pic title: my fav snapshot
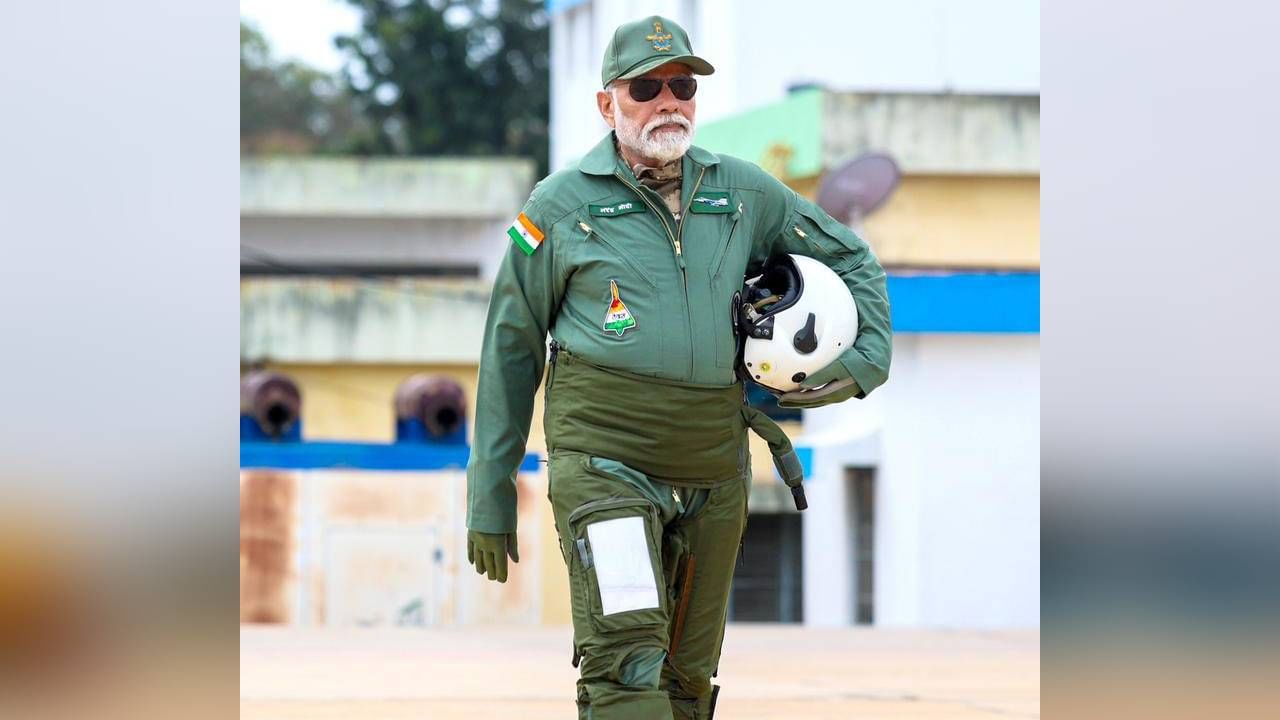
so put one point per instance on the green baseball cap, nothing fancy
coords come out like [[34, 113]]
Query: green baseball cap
[[642, 45]]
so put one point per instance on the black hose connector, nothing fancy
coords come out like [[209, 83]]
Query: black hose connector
[[797, 494]]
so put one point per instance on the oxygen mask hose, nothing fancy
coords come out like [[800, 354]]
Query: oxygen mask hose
[[759, 304], [784, 455]]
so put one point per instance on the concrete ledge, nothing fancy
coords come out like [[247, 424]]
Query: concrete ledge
[[935, 134], [342, 320], [384, 187], [814, 131]]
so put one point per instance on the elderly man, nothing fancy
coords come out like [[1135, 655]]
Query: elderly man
[[631, 260]]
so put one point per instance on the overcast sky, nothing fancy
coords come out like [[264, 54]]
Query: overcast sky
[[303, 29]]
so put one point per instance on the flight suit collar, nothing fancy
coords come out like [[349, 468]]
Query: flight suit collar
[[603, 159]]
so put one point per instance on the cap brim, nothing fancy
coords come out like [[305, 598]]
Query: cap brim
[[695, 63]]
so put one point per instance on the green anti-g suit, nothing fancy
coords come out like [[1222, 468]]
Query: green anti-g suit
[[638, 307]]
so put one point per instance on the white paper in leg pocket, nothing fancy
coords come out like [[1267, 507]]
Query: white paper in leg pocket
[[620, 552]]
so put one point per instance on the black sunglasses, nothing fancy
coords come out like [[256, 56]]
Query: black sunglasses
[[646, 89]]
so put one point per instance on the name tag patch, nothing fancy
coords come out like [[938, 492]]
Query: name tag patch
[[711, 202], [621, 208]]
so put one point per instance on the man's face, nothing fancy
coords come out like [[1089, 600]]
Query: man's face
[[660, 129]]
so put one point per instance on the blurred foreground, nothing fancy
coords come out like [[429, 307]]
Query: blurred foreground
[[767, 671]]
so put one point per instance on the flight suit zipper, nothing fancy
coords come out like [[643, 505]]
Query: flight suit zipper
[[675, 244]]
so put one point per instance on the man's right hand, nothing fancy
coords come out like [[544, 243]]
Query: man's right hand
[[488, 552]]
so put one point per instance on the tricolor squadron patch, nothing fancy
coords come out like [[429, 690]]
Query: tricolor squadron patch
[[525, 234], [617, 318]]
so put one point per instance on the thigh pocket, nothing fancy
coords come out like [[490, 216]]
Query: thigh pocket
[[615, 551]]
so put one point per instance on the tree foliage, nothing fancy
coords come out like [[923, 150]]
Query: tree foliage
[[288, 107], [450, 77]]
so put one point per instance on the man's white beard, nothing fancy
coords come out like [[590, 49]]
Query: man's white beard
[[663, 146]]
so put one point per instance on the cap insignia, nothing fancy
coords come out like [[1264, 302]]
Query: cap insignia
[[661, 42]]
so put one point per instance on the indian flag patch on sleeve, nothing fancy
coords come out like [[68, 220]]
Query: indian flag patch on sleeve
[[525, 234]]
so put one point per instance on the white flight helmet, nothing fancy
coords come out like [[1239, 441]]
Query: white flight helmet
[[793, 320]]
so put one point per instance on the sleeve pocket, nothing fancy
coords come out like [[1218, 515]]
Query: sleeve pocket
[[825, 239]]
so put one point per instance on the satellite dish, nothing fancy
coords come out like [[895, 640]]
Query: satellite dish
[[854, 190]]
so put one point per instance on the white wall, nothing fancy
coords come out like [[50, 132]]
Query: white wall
[[840, 437], [760, 48], [955, 437], [971, 415]]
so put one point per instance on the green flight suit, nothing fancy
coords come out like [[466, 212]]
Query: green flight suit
[[641, 305]]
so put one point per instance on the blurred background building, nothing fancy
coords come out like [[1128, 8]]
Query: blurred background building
[[367, 254]]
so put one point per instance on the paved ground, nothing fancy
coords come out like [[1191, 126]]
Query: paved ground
[[768, 671]]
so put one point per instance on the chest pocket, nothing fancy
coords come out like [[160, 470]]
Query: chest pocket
[[732, 247], [612, 305], [601, 254]]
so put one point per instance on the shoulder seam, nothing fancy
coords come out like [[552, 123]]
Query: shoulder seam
[[576, 205]]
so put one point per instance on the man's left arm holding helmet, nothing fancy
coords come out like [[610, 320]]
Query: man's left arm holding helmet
[[808, 230]]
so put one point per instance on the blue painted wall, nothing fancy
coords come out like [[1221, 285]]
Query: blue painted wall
[[361, 456], [965, 302]]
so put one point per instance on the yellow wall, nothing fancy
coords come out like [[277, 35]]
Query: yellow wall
[[353, 401], [955, 221], [960, 221]]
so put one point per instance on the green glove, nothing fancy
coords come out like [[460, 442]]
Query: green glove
[[831, 384], [488, 552]]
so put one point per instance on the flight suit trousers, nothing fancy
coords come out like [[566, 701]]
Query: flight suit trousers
[[650, 571]]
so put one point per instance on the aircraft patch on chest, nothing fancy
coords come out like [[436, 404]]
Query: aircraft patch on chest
[[617, 318], [711, 202]]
